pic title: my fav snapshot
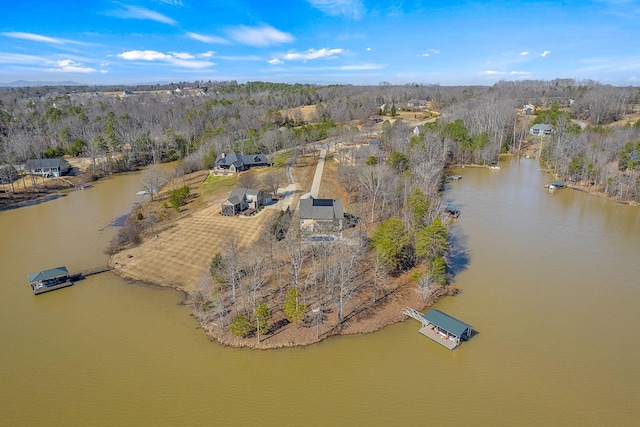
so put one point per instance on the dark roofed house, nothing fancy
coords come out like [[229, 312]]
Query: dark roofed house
[[47, 167], [242, 199], [321, 215], [236, 162]]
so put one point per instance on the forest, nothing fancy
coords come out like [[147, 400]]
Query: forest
[[123, 128]]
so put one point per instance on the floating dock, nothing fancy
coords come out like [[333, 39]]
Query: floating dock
[[59, 277], [440, 327]]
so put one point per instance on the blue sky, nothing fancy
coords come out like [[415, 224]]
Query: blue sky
[[443, 42]]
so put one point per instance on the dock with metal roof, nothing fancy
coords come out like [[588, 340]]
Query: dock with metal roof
[[59, 277], [441, 327]]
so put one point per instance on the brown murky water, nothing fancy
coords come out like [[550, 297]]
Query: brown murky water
[[551, 281]]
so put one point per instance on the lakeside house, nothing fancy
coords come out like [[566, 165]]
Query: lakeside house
[[541, 130], [244, 200], [47, 167], [236, 163], [321, 215]]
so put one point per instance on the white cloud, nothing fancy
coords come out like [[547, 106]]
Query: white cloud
[[146, 55], [172, 2], [350, 8], [368, 49], [545, 53], [69, 66], [182, 55], [312, 54], [524, 53], [262, 36], [33, 37], [180, 59], [207, 54], [506, 73], [17, 58], [207, 39], [134, 12], [425, 54], [39, 38], [276, 61], [434, 51]]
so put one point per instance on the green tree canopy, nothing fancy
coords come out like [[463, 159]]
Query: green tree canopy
[[391, 240], [432, 241], [293, 309], [240, 326], [398, 161], [438, 270], [263, 314], [419, 206]]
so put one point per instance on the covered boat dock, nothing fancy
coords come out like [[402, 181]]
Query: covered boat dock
[[49, 280], [441, 327]]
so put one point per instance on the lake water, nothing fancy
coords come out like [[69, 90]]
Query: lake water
[[551, 281]]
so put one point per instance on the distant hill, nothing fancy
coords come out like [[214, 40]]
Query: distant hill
[[24, 83]]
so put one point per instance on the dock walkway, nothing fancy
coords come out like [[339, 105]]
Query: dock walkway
[[90, 272]]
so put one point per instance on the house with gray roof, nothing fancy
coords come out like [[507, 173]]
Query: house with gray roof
[[321, 215], [541, 130], [244, 199], [237, 163], [47, 167]]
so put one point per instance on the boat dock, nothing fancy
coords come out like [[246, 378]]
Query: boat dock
[[59, 277], [440, 327]]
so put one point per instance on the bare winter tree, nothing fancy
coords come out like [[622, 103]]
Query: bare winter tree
[[153, 179], [274, 179], [248, 179]]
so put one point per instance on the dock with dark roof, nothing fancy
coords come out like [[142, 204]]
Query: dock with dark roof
[[59, 277], [441, 327]]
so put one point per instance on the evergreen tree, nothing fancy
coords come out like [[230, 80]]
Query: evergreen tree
[[240, 326], [391, 240], [293, 309], [263, 314]]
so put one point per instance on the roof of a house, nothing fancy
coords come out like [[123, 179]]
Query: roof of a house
[[542, 126], [239, 193], [46, 163], [48, 274], [446, 322], [321, 208], [239, 160]]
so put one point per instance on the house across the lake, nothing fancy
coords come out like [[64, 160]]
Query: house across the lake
[[244, 200], [47, 167], [321, 215], [237, 163], [541, 130]]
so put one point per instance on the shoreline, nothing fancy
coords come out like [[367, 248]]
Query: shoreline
[[304, 336]]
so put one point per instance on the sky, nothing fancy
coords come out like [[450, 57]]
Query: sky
[[359, 42]]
